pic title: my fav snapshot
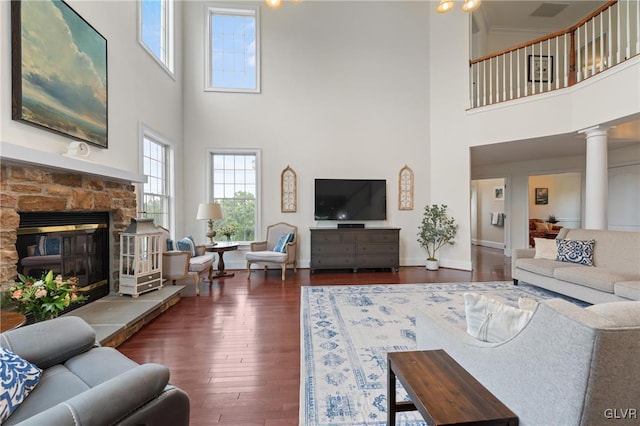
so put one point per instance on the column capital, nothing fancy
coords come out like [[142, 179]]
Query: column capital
[[594, 131]]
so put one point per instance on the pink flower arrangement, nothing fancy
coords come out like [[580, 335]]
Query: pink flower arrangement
[[44, 298]]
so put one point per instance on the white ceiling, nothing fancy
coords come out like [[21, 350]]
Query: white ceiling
[[516, 15]]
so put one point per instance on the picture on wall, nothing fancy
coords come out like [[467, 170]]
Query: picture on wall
[[59, 71], [498, 193], [540, 68], [542, 195]]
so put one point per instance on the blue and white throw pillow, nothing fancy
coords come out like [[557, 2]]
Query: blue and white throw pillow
[[187, 244], [281, 245], [18, 377], [576, 251]]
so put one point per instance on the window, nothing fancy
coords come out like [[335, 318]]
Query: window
[[156, 30], [156, 191], [234, 185], [233, 50]]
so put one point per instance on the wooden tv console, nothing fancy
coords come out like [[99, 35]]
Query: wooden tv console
[[354, 248]]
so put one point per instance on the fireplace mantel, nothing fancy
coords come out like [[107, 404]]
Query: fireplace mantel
[[31, 157]]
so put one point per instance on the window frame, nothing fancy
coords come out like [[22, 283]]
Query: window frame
[[169, 153], [168, 17], [239, 151], [244, 10]]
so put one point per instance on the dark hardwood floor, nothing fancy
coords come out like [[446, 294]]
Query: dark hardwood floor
[[236, 350]]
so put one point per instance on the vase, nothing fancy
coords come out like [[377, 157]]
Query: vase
[[432, 264]]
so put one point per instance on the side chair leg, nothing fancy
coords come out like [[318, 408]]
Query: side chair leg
[[284, 268], [248, 271]]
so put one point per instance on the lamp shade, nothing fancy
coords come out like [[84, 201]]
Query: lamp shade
[[209, 211]]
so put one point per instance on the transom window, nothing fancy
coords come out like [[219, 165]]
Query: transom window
[[156, 191], [234, 185], [233, 50], [156, 30]]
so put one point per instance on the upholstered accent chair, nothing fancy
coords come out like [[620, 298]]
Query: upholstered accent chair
[[538, 228], [175, 266], [280, 248], [201, 262]]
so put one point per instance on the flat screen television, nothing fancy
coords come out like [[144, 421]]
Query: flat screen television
[[350, 199]]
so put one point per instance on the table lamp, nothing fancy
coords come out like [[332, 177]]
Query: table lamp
[[209, 212]]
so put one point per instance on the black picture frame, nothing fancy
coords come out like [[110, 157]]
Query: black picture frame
[[59, 72], [540, 69]]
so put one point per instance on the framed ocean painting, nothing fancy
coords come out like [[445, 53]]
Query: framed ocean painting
[[59, 71]]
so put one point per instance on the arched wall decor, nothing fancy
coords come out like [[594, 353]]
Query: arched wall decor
[[288, 190], [405, 188]]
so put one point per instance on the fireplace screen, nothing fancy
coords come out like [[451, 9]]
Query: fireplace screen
[[50, 241]]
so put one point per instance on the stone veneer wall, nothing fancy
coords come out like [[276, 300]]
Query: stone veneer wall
[[33, 189]]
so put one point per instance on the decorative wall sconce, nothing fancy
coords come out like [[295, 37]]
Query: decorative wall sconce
[[288, 190], [405, 189]]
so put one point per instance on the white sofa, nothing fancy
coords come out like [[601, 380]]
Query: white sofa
[[568, 366], [615, 275]]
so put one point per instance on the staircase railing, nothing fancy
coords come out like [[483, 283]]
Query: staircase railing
[[605, 38]]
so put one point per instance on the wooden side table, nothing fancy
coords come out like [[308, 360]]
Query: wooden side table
[[442, 391], [220, 248], [11, 320]]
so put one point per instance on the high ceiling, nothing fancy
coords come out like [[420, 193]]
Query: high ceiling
[[541, 16], [523, 15]]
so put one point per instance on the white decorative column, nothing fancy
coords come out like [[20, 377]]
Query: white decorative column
[[597, 179]]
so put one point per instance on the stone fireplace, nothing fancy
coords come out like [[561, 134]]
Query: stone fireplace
[[34, 189]]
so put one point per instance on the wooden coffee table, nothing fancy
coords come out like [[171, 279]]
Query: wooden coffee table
[[442, 391]]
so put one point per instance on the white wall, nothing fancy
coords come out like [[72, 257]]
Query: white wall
[[344, 95], [138, 90]]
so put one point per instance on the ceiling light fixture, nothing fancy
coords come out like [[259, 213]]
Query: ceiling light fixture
[[447, 5], [273, 4]]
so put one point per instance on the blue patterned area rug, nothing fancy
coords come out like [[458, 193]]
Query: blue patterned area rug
[[348, 330]]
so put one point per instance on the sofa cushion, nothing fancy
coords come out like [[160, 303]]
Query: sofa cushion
[[545, 249], [266, 256], [576, 251], [623, 314], [628, 289], [617, 250], [201, 263], [491, 321], [111, 361], [593, 277], [18, 378], [541, 266], [57, 384]]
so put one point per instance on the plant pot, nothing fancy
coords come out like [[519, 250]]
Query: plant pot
[[432, 265]]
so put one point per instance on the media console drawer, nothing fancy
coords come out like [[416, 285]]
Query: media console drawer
[[354, 248]]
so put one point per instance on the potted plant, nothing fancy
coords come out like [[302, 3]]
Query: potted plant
[[436, 230], [551, 220]]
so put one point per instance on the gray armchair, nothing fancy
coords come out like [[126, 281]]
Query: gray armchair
[[83, 384], [263, 253]]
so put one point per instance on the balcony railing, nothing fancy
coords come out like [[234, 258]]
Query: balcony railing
[[607, 37]]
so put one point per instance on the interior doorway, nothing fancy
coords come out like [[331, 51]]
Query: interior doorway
[[558, 196], [488, 218]]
